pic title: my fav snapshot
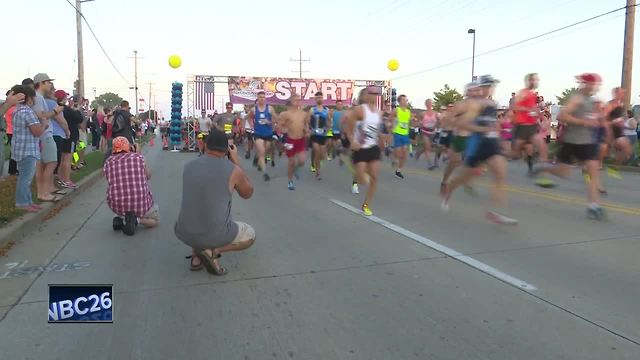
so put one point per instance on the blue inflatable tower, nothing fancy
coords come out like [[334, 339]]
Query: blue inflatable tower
[[176, 115]]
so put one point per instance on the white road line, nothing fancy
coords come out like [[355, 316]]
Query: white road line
[[490, 270]]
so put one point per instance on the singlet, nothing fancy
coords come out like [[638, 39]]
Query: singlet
[[527, 117], [487, 117], [582, 135], [615, 114], [404, 121], [263, 125], [319, 121], [337, 115], [205, 220], [366, 131], [628, 131], [506, 132], [429, 122]]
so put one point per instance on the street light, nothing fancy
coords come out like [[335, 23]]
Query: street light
[[473, 57]]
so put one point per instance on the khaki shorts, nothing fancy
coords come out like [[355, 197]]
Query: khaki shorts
[[48, 150], [153, 213], [246, 235]]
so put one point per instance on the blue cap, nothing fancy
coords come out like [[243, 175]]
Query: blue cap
[[486, 80]]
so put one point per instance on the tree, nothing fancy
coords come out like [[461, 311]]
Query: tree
[[109, 100], [445, 96], [563, 99]]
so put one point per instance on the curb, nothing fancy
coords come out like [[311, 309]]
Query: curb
[[23, 225]]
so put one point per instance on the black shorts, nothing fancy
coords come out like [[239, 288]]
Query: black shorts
[[63, 145], [413, 133], [345, 142], [480, 149], [570, 153], [320, 140], [525, 132], [445, 138], [249, 135], [366, 155]]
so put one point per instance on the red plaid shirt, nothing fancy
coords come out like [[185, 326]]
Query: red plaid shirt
[[128, 189]]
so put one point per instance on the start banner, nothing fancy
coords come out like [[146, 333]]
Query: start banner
[[245, 89]]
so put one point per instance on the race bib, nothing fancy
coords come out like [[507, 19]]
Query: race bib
[[319, 131], [288, 146], [404, 126], [228, 129], [492, 134]]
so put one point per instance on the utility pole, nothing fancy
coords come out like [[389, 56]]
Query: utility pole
[[627, 55], [150, 85], [80, 87], [135, 84], [300, 60]]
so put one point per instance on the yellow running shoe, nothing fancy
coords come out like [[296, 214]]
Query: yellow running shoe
[[614, 173], [587, 178], [366, 210]]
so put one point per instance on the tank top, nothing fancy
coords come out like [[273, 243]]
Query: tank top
[[615, 114], [337, 115], [488, 118], [628, 131], [263, 125], [530, 100], [507, 129], [582, 135], [366, 131], [319, 121], [429, 122], [205, 216], [404, 121]]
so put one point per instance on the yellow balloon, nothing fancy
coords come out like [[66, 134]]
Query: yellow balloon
[[175, 61], [393, 64]]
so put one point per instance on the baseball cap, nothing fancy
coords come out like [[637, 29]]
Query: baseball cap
[[27, 82], [589, 78], [121, 144], [60, 94], [41, 77], [217, 141], [486, 80]]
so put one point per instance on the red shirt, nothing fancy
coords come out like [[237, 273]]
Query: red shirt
[[530, 100], [128, 189], [9, 117]]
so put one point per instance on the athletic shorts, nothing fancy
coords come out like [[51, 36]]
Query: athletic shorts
[[320, 140], [264, 138], [570, 153], [249, 134], [525, 132], [480, 149], [63, 145], [345, 142], [413, 133], [48, 150], [459, 143], [294, 146], [366, 155], [445, 138], [153, 213], [400, 141]]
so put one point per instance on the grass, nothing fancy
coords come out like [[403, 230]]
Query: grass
[[94, 161]]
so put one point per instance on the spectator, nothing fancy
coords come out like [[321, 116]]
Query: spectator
[[128, 192], [48, 151], [122, 122], [13, 166], [94, 127], [82, 141], [205, 222], [61, 135], [27, 129], [106, 131], [74, 119]]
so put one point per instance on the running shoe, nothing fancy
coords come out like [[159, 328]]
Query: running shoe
[[444, 205], [366, 210], [266, 177], [69, 185], [290, 186], [614, 173], [313, 168], [596, 213], [355, 189], [545, 183], [268, 158], [329, 158], [399, 175], [500, 219]]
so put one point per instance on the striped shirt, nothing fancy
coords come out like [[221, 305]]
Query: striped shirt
[[23, 143], [128, 189]]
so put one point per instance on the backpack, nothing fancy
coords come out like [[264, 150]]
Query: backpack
[[119, 124]]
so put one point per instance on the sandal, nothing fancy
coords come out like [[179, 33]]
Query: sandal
[[52, 199], [210, 264], [193, 267]]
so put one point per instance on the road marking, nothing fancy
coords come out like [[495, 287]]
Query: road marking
[[16, 271], [478, 265], [544, 195]]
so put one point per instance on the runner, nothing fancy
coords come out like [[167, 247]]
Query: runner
[[479, 117], [320, 124], [428, 130], [527, 114], [414, 134], [336, 139], [249, 132], [295, 124], [579, 140], [402, 123], [264, 119], [616, 113], [444, 139], [346, 145], [204, 125], [362, 127], [224, 122]]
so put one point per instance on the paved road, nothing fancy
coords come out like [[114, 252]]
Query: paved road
[[323, 282]]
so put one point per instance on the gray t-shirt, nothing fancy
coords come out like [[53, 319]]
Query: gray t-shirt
[[40, 105], [582, 135], [225, 122], [205, 219]]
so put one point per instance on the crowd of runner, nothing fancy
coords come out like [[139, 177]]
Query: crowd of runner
[[473, 134]]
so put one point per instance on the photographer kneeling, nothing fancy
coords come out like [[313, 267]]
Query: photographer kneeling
[[204, 222]]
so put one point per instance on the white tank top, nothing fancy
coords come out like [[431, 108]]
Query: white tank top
[[627, 131], [366, 131]]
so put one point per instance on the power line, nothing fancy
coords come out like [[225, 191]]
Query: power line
[[99, 43], [512, 44]]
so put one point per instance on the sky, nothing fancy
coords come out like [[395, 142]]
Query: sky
[[343, 39]]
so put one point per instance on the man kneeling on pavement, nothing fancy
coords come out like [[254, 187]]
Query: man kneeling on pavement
[[128, 193], [205, 222]]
